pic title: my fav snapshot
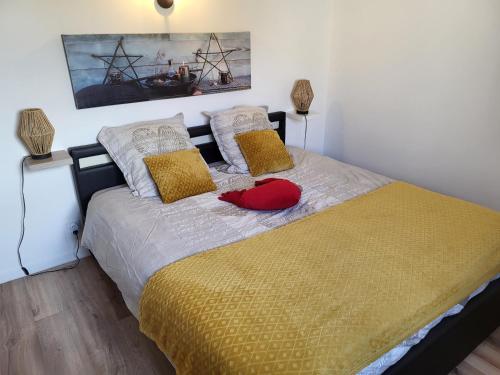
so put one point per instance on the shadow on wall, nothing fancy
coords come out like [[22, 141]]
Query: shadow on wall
[[334, 133]]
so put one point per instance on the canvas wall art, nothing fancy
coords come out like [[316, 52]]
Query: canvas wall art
[[116, 69]]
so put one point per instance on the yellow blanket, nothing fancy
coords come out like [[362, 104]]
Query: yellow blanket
[[328, 294]]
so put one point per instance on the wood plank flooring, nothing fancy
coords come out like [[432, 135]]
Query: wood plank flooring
[[484, 360], [75, 322], [72, 322]]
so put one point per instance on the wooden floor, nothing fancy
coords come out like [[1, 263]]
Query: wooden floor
[[485, 359], [75, 322], [72, 322]]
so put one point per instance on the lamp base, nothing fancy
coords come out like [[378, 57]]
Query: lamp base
[[41, 157], [302, 112]]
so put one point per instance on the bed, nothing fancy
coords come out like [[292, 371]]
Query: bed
[[435, 348]]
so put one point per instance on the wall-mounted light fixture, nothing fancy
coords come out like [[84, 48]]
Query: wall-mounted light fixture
[[302, 96], [165, 3], [37, 133]]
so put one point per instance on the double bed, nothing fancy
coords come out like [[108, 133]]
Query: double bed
[[134, 238]]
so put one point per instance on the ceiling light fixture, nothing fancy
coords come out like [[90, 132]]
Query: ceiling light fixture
[[165, 3]]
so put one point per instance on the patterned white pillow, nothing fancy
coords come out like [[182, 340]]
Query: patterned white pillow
[[128, 145], [226, 124]]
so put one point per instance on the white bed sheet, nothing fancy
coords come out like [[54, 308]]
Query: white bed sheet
[[132, 238]]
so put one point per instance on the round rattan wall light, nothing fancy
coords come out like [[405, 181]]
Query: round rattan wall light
[[302, 96]]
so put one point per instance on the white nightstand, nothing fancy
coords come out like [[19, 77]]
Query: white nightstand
[[293, 115], [58, 159]]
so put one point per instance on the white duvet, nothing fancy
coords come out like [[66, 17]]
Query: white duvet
[[133, 237]]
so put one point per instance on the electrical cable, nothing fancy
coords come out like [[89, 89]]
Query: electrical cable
[[305, 132], [21, 237], [23, 207]]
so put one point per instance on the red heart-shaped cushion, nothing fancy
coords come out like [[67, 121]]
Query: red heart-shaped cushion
[[270, 194]]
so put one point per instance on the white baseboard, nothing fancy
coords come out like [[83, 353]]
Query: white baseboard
[[16, 273]]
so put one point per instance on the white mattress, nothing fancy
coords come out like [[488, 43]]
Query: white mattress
[[132, 238]]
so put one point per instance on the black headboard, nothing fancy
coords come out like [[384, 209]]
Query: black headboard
[[91, 179]]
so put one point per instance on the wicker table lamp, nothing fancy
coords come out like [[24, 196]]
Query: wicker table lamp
[[302, 96], [37, 133]]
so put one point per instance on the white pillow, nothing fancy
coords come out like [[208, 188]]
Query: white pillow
[[128, 145], [226, 124]]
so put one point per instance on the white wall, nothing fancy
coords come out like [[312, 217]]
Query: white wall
[[406, 88], [289, 41], [415, 92]]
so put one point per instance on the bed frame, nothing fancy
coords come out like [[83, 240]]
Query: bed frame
[[445, 346], [92, 177]]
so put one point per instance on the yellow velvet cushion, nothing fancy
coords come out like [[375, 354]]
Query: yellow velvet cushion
[[180, 174], [264, 152]]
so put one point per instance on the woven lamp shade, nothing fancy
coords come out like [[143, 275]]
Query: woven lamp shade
[[302, 96], [37, 133]]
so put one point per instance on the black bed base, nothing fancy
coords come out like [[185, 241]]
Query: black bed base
[[451, 341], [438, 353]]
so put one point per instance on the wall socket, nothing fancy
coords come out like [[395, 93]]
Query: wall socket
[[74, 227]]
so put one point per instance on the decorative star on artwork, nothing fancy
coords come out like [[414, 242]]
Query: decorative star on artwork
[[111, 61], [221, 54]]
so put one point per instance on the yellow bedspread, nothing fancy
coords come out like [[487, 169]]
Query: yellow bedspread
[[328, 294]]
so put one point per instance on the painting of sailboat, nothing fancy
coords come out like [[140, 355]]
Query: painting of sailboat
[[126, 68]]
